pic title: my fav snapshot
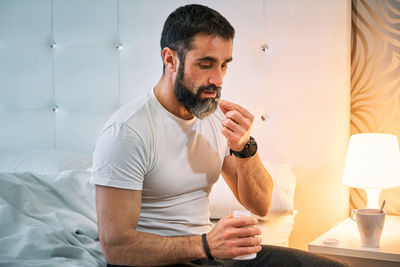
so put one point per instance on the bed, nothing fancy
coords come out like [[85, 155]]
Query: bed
[[47, 209], [48, 215]]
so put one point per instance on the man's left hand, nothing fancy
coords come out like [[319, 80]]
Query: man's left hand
[[236, 125]]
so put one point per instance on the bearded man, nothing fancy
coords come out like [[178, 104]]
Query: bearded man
[[157, 158]]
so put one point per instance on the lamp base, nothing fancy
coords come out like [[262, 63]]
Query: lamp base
[[373, 198]]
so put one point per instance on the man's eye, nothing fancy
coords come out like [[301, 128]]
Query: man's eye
[[205, 66]]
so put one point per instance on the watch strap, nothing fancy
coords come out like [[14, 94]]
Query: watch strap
[[245, 153]]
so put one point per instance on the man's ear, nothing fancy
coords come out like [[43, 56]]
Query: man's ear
[[170, 59]]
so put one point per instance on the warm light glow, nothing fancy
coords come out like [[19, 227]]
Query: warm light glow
[[373, 162]]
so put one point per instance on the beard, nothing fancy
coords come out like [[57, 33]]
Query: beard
[[194, 103]]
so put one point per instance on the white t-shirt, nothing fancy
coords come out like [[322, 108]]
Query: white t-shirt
[[173, 161]]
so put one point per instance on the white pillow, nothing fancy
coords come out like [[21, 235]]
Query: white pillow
[[42, 161], [276, 231], [223, 201]]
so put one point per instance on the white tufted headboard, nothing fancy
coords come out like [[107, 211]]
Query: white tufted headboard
[[62, 75]]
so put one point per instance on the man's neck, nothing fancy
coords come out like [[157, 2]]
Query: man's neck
[[164, 92]]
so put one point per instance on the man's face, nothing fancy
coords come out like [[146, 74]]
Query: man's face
[[199, 77]]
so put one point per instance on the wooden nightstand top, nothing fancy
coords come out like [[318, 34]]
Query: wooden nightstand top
[[350, 245]]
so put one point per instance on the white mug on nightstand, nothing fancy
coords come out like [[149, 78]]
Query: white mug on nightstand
[[370, 225]]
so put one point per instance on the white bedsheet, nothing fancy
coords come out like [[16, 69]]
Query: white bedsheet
[[48, 220]]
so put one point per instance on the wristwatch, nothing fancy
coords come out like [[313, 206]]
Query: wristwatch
[[249, 150]]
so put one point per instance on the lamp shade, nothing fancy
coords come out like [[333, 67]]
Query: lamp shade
[[373, 161]]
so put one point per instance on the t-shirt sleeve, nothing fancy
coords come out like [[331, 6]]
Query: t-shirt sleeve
[[119, 158]]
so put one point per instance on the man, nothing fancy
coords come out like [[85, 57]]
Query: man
[[157, 158]]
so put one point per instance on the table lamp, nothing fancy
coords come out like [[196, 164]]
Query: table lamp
[[372, 163]]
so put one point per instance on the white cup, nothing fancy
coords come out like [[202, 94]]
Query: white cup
[[239, 213], [370, 225]]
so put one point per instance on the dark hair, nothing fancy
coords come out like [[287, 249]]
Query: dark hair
[[186, 21]]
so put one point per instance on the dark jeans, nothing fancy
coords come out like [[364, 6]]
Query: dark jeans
[[271, 256]]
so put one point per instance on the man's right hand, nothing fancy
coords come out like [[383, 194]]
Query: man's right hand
[[232, 237]]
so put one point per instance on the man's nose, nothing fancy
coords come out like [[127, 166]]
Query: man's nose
[[217, 77]]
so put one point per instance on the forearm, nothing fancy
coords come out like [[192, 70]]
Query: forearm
[[144, 249], [246, 177], [254, 185]]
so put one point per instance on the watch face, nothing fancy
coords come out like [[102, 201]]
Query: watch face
[[252, 149]]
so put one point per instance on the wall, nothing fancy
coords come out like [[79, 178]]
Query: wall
[[375, 80], [307, 97], [58, 96]]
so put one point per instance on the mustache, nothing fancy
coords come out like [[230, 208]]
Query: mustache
[[210, 87]]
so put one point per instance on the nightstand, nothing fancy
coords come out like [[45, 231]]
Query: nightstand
[[349, 248]]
